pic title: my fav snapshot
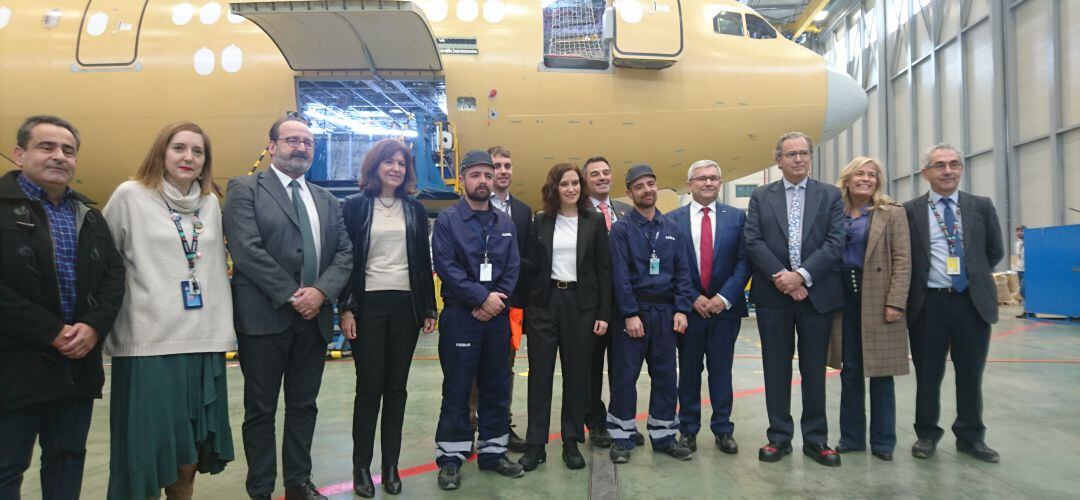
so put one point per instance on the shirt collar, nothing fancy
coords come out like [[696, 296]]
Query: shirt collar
[[500, 201], [465, 211], [955, 197], [596, 203], [789, 185], [285, 179], [35, 192], [696, 207], [641, 220]]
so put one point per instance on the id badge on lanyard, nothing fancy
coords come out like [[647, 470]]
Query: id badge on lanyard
[[952, 265], [191, 293], [485, 269], [654, 265]]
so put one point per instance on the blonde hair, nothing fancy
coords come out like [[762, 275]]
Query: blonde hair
[[878, 198], [152, 171]]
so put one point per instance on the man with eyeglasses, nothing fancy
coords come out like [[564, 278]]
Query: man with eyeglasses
[[956, 242], [719, 270], [290, 254], [795, 237]]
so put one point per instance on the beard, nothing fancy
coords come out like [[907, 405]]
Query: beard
[[644, 202], [296, 164], [479, 193]]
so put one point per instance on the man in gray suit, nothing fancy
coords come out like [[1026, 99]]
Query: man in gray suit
[[956, 242], [795, 237], [290, 253]]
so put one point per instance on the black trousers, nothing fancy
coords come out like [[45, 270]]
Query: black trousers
[[777, 326], [382, 352], [564, 328], [297, 355], [948, 323], [596, 411], [60, 427]]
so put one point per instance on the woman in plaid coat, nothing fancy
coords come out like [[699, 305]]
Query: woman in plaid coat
[[868, 337]]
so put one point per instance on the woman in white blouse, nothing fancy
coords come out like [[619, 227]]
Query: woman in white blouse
[[568, 263]]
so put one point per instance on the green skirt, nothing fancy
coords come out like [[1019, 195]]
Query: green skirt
[[166, 412]]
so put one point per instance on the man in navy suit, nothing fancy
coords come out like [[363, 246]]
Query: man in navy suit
[[795, 237], [719, 270]]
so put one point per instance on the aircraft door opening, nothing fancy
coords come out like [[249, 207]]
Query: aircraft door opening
[[109, 33], [648, 33]]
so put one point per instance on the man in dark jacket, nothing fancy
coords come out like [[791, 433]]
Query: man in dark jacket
[[61, 285]]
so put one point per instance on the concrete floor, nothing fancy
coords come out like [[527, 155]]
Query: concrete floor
[[1032, 407]]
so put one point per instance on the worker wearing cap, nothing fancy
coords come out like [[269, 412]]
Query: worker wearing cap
[[476, 257], [654, 295]]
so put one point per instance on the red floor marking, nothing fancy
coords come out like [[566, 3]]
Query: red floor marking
[[431, 467]]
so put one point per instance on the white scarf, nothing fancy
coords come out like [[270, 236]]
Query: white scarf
[[184, 204]]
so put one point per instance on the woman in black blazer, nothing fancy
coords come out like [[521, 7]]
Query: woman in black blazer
[[391, 267], [569, 266]]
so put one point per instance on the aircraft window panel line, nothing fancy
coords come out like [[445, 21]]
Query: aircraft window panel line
[[728, 23]]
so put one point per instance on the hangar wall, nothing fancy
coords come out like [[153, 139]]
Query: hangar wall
[[999, 79]]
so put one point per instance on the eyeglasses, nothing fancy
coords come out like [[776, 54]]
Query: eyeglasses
[[706, 178], [953, 165], [295, 142], [791, 155]]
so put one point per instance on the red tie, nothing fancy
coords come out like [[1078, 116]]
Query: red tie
[[706, 249], [607, 214]]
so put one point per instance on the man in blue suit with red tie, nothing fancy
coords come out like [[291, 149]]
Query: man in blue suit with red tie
[[719, 270]]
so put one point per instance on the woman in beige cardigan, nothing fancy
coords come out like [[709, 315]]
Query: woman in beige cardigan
[[868, 337]]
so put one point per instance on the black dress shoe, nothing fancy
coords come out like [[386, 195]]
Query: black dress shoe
[[923, 448], [881, 455], [689, 441], [843, 448], [599, 437], [305, 492], [449, 477], [979, 450], [773, 452], [727, 444], [822, 454], [517, 445], [639, 438], [362, 483], [572, 457], [619, 454], [533, 457], [504, 467], [391, 479], [677, 451]]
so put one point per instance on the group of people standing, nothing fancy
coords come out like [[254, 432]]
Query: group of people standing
[[835, 270]]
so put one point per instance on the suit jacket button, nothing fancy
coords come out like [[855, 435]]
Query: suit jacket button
[[879, 269], [299, 250]]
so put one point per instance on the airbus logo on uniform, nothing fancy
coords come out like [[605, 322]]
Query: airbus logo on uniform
[[463, 344]]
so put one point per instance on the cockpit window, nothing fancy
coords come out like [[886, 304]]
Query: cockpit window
[[759, 28], [728, 23]]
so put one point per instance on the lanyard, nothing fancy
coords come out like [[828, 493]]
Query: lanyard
[[651, 242], [950, 237], [191, 250], [484, 232]]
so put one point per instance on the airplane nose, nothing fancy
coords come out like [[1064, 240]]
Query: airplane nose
[[846, 102]]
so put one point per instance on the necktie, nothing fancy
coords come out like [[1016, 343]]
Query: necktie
[[794, 220], [310, 269], [959, 281], [607, 214], [705, 270]]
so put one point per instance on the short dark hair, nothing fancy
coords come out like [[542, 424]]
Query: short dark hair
[[499, 151], [380, 152], [22, 137], [594, 159], [291, 116]]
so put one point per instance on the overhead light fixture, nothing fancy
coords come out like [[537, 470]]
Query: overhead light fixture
[[820, 16]]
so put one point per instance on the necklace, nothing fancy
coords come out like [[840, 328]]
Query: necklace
[[387, 209]]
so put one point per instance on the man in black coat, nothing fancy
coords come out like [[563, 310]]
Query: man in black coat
[[61, 286], [795, 238], [955, 244]]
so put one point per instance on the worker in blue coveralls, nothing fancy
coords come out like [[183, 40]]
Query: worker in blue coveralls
[[654, 295], [476, 257]]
